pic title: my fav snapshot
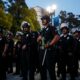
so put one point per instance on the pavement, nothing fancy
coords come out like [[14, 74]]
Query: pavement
[[37, 75], [17, 77]]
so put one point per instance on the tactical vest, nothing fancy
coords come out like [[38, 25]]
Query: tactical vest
[[47, 34]]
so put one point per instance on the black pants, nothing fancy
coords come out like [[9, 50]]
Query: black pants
[[2, 68], [18, 65], [49, 65], [76, 65], [9, 63], [67, 60], [58, 62], [33, 63], [25, 64]]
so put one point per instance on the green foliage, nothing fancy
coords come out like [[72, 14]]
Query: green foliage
[[16, 12], [21, 12], [70, 18], [5, 19]]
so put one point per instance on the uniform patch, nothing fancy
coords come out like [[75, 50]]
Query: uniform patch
[[68, 38], [47, 29], [0, 39], [27, 35]]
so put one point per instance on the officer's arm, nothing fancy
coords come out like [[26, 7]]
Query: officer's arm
[[54, 40], [24, 47], [39, 38], [5, 49], [14, 49], [24, 42]]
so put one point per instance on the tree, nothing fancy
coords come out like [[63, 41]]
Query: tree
[[5, 18], [62, 15], [70, 18], [20, 11]]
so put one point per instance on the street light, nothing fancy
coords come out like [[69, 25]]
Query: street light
[[54, 7], [51, 9]]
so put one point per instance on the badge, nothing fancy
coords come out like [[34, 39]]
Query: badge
[[33, 36], [0, 39], [27, 35], [47, 29], [19, 46], [67, 38]]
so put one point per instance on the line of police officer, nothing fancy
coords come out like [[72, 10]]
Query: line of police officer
[[40, 51]]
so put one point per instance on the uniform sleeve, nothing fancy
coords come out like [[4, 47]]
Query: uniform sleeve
[[54, 31], [5, 40], [24, 40], [39, 33]]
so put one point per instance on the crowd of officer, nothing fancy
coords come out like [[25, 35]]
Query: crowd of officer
[[39, 52]]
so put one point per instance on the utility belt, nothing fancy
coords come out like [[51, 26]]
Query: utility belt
[[68, 53], [49, 48]]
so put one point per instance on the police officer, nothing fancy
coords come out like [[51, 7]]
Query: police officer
[[79, 32], [79, 43], [2, 55], [26, 39], [9, 51], [34, 56], [49, 38], [18, 50], [66, 49], [76, 50], [29, 51]]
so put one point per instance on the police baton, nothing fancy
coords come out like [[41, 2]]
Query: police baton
[[44, 57]]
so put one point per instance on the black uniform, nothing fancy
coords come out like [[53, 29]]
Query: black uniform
[[58, 59], [66, 55], [26, 40], [34, 56], [9, 55], [2, 59], [76, 56], [18, 51], [79, 48], [48, 34], [30, 57]]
